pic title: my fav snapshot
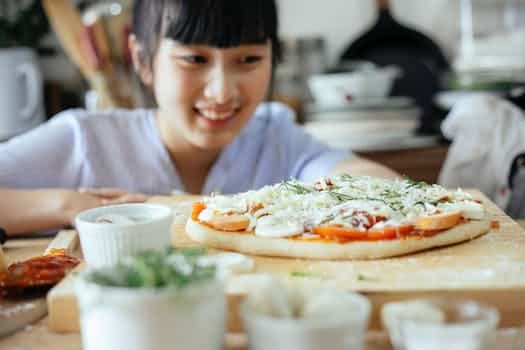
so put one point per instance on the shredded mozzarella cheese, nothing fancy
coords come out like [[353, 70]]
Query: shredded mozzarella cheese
[[342, 200]]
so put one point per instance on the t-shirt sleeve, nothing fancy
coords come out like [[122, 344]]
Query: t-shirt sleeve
[[45, 157], [308, 157]]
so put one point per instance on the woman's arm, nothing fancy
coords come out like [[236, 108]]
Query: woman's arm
[[361, 166], [24, 211]]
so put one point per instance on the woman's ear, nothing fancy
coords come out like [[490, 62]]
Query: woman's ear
[[143, 69]]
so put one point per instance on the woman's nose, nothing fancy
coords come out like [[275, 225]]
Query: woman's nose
[[221, 87]]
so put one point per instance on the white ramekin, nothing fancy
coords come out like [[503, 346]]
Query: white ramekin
[[104, 244], [112, 318]]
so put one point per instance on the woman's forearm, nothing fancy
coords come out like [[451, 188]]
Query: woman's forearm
[[23, 211]]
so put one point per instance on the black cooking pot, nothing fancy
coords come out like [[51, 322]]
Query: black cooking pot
[[422, 61]]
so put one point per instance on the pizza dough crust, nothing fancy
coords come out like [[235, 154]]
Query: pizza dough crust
[[251, 244]]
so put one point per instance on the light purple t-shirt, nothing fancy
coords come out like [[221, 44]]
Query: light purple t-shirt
[[123, 149]]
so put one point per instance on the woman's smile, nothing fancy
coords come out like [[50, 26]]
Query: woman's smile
[[216, 117]]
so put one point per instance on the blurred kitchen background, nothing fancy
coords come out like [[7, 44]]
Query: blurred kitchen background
[[374, 76]]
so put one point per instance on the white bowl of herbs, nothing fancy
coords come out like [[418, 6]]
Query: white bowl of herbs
[[153, 300]]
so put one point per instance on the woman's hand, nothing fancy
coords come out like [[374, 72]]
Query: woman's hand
[[25, 211], [87, 198]]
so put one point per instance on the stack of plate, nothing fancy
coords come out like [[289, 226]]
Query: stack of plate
[[371, 124]]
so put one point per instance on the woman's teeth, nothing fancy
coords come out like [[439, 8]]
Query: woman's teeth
[[213, 115]]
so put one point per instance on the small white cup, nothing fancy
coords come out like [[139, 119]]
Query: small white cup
[[104, 244], [344, 329], [141, 319]]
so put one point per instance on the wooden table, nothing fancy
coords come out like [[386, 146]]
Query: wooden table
[[38, 337]]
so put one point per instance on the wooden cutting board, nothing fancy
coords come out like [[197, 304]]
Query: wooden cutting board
[[490, 269], [15, 314]]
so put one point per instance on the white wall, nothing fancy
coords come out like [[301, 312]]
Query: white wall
[[341, 21]]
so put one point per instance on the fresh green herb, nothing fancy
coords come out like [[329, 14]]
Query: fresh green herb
[[189, 252], [443, 200], [328, 218], [398, 206], [340, 196], [346, 177], [304, 274], [295, 187], [416, 184], [361, 277], [344, 197], [390, 194], [173, 267], [22, 23]]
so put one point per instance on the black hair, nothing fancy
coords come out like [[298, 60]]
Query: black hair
[[218, 23]]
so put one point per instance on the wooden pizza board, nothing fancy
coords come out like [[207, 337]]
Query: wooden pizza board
[[490, 269]]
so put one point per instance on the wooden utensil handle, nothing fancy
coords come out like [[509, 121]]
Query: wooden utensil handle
[[3, 263], [383, 4], [66, 241]]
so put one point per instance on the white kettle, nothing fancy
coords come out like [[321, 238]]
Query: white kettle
[[21, 98]]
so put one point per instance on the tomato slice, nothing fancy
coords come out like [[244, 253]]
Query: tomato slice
[[340, 231], [196, 209], [390, 232], [438, 221]]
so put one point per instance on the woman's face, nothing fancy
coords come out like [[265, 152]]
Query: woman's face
[[205, 95]]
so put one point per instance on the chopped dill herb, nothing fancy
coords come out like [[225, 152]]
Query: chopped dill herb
[[340, 196], [295, 187], [416, 184], [346, 177], [327, 219], [344, 197]]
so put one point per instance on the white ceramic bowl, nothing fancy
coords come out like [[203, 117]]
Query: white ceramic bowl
[[338, 89], [344, 329], [104, 244], [143, 319]]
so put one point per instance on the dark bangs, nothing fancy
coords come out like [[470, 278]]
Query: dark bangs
[[217, 23], [223, 23]]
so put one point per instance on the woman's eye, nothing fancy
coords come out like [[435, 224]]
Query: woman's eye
[[250, 59], [194, 59]]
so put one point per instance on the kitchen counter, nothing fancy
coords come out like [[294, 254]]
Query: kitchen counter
[[39, 337]]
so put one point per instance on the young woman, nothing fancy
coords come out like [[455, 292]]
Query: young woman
[[209, 64]]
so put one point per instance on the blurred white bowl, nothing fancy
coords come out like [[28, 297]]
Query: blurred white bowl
[[439, 323], [327, 320], [134, 228], [143, 318], [339, 88]]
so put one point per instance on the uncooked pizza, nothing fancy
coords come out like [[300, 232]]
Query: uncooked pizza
[[341, 217]]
